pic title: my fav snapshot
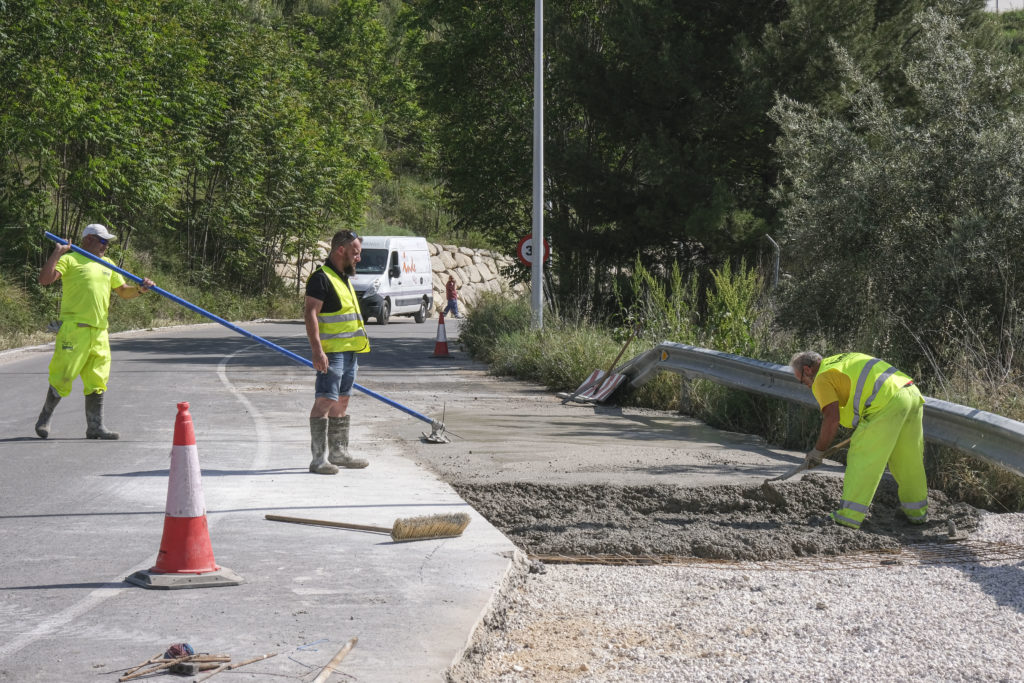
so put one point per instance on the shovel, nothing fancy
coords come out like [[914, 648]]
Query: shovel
[[767, 485], [600, 377]]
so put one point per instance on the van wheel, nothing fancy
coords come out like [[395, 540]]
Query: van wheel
[[385, 312], [421, 315]]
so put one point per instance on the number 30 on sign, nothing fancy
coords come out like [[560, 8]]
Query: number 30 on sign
[[525, 250]]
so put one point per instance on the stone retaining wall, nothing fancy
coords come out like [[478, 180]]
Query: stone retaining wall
[[475, 271]]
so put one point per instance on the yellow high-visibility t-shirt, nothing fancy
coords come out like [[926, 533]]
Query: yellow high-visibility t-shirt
[[831, 386], [87, 286]]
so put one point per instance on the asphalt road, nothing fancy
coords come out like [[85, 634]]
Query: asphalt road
[[77, 516]]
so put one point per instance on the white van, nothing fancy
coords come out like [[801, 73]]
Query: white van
[[393, 277]]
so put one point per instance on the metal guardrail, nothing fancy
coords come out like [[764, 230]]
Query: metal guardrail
[[993, 438]]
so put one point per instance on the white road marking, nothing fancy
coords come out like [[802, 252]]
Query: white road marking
[[48, 626]]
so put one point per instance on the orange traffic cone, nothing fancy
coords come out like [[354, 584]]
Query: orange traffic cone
[[185, 559], [441, 345]]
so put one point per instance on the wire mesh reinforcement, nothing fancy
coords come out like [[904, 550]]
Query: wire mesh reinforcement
[[947, 553]]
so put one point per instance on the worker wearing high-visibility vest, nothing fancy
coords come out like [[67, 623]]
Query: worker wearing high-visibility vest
[[82, 348], [336, 334], [884, 408]]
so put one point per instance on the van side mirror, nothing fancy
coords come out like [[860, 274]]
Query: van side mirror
[[396, 271]]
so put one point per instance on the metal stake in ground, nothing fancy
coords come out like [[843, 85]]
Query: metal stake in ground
[[437, 427]]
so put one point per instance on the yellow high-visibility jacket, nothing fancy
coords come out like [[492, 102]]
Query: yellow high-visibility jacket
[[860, 383], [342, 330]]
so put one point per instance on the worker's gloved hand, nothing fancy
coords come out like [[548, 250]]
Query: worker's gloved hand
[[813, 458]]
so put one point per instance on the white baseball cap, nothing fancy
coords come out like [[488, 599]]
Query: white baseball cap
[[99, 230]]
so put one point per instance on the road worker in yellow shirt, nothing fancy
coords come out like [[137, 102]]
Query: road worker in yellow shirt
[[82, 347], [885, 409]]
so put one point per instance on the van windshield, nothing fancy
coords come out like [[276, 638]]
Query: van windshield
[[372, 261]]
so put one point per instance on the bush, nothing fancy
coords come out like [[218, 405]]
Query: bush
[[493, 317], [22, 320]]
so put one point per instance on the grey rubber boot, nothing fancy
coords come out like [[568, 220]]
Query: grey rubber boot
[[318, 445], [94, 419], [43, 423], [337, 442]]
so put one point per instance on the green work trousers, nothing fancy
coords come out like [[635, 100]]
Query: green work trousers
[[889, 436], [80, 350]]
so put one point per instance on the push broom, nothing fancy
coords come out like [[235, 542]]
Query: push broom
[[408, 529], [437, 433]]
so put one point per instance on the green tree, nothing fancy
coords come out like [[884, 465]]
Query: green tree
[[903, 215], [657, 134], [216, 134]]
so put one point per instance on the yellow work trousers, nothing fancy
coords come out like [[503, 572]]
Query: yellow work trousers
[[891, 436], [80, 350]]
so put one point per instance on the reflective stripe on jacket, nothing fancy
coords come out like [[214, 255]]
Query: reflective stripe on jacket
[[342, 330], [872, 383]]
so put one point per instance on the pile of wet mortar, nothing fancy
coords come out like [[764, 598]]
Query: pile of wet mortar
[[772, 522]]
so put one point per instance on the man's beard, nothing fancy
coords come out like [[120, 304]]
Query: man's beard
[[349, 269]]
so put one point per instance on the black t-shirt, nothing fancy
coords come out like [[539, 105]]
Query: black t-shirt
[[319, 287]]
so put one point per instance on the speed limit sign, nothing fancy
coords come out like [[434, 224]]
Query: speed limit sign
[[525, 250]]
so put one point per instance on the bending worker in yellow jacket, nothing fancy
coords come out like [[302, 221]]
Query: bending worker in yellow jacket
[[885, 409], [83, 348]]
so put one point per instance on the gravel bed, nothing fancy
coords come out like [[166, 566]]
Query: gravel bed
[[809, 619]]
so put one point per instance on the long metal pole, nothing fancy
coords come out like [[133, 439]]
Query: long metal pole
[[235, 328], [537, 267]]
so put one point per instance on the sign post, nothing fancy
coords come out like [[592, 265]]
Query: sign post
[[537, 268]]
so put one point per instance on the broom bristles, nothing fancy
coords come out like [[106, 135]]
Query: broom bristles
[[429, 526]]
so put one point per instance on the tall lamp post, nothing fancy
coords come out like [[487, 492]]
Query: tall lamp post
[[537, 266]]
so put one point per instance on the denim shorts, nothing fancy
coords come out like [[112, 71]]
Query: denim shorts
[[340, 375]]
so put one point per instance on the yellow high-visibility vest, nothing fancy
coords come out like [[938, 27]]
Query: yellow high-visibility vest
[[872, 383], [342, 330]]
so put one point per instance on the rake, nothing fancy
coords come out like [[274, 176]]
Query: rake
[[409, 529]]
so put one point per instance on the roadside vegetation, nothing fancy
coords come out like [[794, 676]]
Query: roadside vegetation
[[564, 353], [873, 148]]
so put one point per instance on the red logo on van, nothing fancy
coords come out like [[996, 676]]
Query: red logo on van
[[408, 267]]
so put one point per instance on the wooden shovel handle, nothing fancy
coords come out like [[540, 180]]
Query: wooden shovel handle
[[832, 450], [629, 339]]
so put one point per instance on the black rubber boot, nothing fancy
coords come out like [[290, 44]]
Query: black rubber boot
[[318, 446], [94, 419], [337, 444], [43, 423]]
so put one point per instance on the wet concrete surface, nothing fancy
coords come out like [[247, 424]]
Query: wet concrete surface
[[715, 522], [572, 480]]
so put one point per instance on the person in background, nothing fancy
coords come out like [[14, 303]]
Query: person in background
[[451, 293], [82, 348], [885, 409], [336, 334]]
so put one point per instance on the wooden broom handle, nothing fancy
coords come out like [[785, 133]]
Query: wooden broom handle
[[324, 522], [326, 672]]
